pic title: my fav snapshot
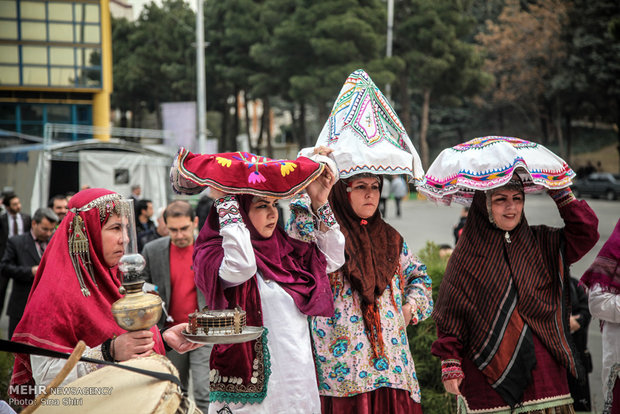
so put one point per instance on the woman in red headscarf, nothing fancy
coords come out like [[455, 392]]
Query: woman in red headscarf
[[74, 289], [242, 258]]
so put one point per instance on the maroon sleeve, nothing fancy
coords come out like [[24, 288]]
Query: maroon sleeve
[[580, 229], [447, 347]]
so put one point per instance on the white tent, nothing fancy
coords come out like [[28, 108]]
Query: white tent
[[115, 165]]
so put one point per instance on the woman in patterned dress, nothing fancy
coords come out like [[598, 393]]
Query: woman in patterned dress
[[362, 353]]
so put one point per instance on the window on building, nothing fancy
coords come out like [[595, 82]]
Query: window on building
[[63, 46], [31, 118]]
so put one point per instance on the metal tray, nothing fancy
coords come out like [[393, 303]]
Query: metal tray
[[249, 333]]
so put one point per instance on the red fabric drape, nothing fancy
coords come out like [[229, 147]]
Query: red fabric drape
[[58, 315]]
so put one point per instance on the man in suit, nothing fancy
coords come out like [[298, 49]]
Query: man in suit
[[144, 224], [12, 223], [21, 260], [169, 267]]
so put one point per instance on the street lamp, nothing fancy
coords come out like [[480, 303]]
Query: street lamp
[[201, 93], [388, 48]]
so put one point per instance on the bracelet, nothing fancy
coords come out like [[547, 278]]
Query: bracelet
[[228, 210], [105, 350], [562, 197], [326, 215], [451, 369], [227, 197]]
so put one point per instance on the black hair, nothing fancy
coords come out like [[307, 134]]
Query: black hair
[[50, 203], [179, 208], [7, 199]]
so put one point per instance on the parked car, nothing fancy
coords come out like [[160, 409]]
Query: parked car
[[598, 185]]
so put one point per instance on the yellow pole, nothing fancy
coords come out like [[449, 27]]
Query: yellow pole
[[101, 99]]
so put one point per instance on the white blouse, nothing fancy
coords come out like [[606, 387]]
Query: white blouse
[[45, 369], [292, 386], [606, 307]]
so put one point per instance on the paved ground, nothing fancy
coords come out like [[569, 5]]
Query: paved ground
[[423, 221]]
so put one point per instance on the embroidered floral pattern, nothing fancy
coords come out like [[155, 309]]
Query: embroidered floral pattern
[[343, 352], [287, 168], [254, 161], [343, 355], [301, 223], [326, 215], [224, 162]]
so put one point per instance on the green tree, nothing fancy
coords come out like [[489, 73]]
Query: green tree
[[526, 53], [421, 336], [439, 63], [592, 67], [154, 60], [315, 46], [232, 28], [124, 74]]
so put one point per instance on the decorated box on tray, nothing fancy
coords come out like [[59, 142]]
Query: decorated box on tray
[[227, 326], [217, 322]]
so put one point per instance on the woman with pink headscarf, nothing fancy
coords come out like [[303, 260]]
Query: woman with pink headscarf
[[603, 282]]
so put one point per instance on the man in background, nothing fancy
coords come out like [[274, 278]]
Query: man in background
[[160, 231], [12, 223], [59, 204], [169, 267], [21, 261], [136, 193], [144, 224]]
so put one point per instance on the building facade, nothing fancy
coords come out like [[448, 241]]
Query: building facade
[[55, 64]]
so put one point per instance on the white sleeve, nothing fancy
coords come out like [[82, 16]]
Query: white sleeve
[[331, 244], [239, 263], [45, 369], [604, 305]]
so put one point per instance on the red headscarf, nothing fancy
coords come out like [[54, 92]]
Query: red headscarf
[[297, 266], [605, 270], [58, 315]]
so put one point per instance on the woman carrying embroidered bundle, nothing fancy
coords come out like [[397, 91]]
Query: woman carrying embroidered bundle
[[362, 351], [74, 289], [242, 258], [603, 282], [502, 311]]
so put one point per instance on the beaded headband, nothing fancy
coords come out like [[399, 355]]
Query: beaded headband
[[78, 239]]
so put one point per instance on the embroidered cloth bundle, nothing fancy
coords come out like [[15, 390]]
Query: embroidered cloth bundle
[[242, 173], [489, 162], [366, 134]]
